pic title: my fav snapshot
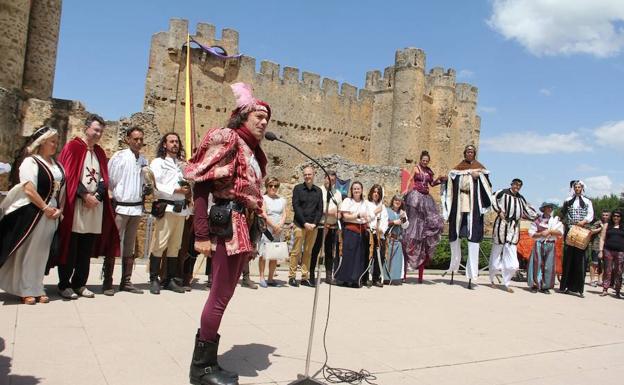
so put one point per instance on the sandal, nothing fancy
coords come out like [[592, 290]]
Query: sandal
[[29, 300], [44, 299]]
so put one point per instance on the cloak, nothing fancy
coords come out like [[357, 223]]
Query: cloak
[[72, 159]]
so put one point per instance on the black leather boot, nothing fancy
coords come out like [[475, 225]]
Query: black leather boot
[[154, 269], [107, 272], [126, 274], [205, 369], [172, 268]]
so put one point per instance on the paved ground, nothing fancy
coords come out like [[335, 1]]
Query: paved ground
[[432, 333]]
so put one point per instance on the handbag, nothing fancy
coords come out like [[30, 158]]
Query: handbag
[[276, 250], [220, 219], [158, 209], [257, 228]]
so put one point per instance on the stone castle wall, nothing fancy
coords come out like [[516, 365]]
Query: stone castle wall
[[29, 31], [388, 122]]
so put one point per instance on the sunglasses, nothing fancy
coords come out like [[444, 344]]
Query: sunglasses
[[273, 185]]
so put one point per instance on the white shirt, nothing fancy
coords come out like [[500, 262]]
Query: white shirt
[[332, 206], [126, 182], [362, 207], [381, 218], [167, 175], [553, 224]]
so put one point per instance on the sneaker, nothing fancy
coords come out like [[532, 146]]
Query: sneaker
[[84, 292], [594, 283], [263, 283], [272, 283], [307, 282], [293, 282], [68, 293]]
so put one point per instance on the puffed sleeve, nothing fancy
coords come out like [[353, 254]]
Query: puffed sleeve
[[28, 171]]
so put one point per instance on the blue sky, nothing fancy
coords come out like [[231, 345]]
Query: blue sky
[[550, 73]]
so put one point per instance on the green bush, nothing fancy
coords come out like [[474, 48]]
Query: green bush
[[442, 256]]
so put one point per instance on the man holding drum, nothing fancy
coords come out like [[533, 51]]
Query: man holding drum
[[577, 213]]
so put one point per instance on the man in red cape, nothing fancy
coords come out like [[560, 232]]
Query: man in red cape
[[88, 225]]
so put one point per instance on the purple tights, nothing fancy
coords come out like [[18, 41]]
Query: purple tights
[[225, 272]]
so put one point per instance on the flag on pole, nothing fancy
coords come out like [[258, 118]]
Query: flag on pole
[[189, 126]]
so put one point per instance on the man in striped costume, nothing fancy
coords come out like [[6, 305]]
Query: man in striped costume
[[511, 207]]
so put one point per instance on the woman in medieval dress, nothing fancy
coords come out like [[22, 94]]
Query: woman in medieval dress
[[30, 217], [425, 222], [394, 266]]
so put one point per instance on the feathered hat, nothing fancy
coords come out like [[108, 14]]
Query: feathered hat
[[245, 101]]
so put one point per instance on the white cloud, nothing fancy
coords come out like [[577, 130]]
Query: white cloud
[[561, 27], [546, 91], [534, 143], [598, 186], [465, 74], [487, 109], [610, 134]]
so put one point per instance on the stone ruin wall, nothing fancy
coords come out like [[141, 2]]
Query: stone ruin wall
[[388, 122]]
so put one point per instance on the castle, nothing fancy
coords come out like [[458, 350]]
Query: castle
[[387, 123]]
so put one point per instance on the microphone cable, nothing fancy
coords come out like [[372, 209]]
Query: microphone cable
[[340, 375]]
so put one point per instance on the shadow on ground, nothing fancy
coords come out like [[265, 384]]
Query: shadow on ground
[[5, 369], [247, 360]]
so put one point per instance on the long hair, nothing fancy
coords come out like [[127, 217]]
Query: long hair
[[161, 152], [237, 119], [379, 190], [612, 222], [397, 198]]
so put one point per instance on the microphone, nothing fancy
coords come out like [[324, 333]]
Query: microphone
[[270, 136], [306, 379]]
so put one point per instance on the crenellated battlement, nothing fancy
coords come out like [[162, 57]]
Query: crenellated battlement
[[437, 77], [204, 33], [294, 77], [409, 58], [466, 93]]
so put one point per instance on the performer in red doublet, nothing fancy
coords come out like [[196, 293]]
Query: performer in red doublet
[[229, 166]]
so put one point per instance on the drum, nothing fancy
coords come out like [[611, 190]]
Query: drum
[[578, 237]]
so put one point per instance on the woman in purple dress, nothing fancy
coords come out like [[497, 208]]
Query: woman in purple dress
[[425, 222]]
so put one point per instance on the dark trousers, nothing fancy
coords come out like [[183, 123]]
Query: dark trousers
[[573, 274], [330, 247], [75, 272], [375, 262]]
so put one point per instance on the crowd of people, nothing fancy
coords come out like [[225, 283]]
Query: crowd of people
[[62, 212]]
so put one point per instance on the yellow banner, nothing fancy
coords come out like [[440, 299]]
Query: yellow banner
[[188, 105]]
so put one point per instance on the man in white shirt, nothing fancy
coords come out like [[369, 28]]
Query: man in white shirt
[[172, 192], [331, 224], [126, 190]]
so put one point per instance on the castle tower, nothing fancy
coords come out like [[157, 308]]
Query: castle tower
[[40, 61], [466, 126], [381, 124], [442, 91], [14, 15], [406, 134]]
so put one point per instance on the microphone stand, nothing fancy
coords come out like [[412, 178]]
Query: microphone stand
[[305, 379]]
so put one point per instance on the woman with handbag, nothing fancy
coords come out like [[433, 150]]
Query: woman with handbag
[[230, 165], [275, 215], [30, 217]]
